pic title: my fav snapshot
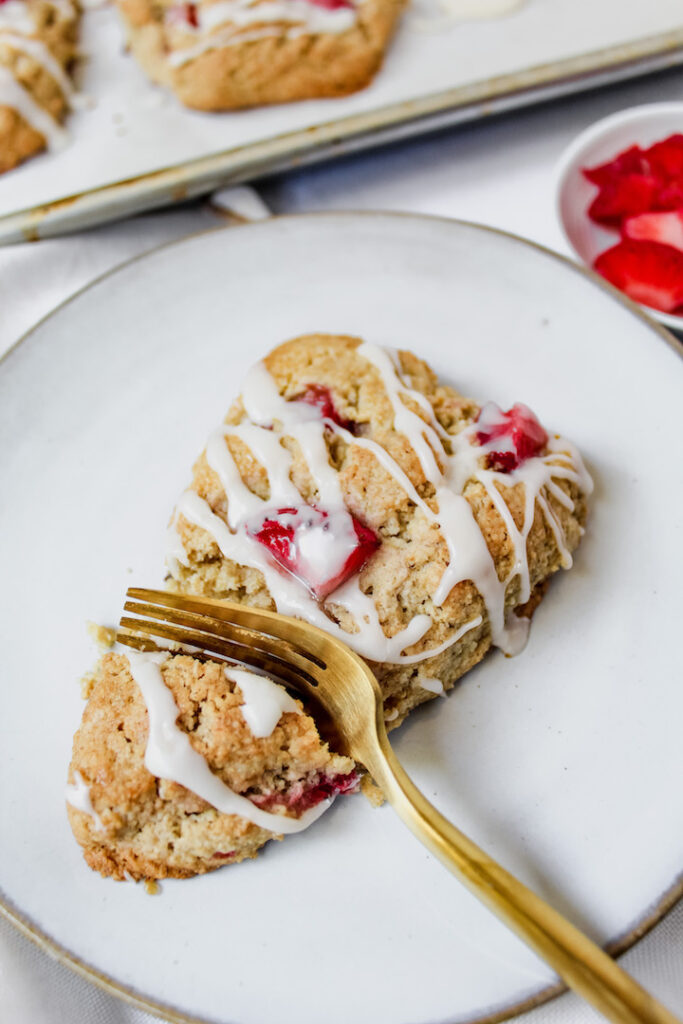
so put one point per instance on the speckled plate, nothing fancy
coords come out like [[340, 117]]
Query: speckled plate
[[564, 762]]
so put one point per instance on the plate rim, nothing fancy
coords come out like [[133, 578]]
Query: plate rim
[[616, 946]]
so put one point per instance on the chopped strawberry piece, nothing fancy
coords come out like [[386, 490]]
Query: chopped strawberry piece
[[321, 549], [331, 5], [624, 197], [670, 197], [631, 161], [665, 227], [666, 157], [183, 14], [519, 433], [300, 797], [320, 398], [224, 856], [648, 272]]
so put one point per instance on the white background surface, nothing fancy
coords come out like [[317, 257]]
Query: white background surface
[[501, 173]]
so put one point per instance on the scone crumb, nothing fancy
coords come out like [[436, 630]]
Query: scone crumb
[[103, 636], [371, 791], [152, 888], [87, 682]]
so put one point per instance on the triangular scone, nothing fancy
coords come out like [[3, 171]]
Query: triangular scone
[[156, 724], [349, 488], [472, 508], [223, 55], [37, 48]]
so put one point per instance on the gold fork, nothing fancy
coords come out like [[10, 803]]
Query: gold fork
[[337, 680]]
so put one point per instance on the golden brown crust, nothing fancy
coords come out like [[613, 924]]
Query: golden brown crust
[[274, 69], [57, 30], [155, 828]]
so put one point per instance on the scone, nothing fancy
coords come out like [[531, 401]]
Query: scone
[[37, 47], [227, 54], [349, 488], [181, 766]]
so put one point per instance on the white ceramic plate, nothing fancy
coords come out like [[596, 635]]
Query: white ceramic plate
[[564, 762]]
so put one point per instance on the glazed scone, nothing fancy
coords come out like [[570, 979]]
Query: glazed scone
[[228, 54], [182, 765], [349, 487], [37, 48]]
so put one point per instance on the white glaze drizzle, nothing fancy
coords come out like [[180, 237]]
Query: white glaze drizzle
[[39, 52], [433, 685], [273, 417], [175, 550], [14, 95], [469, 556], [170, 755], [78, 795], [293, 598], [15, 16], [300, 17], [265, 701]]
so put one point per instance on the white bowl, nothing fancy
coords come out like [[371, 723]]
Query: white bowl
[[601, 142]]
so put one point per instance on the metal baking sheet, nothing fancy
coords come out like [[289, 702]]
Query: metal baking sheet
[[135, 147]]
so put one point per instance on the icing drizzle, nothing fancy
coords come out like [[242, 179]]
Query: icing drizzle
[[170, 755], [17, 30], [272, 418], [224, 23], [265, 701], [78, 795]]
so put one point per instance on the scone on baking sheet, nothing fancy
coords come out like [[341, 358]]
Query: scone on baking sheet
[[182, 765], [37, 47], [227, 54], [350, 488]]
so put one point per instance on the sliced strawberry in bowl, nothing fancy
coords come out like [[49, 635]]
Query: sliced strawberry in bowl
[[631, 161], [665, 158], [321, 549], [662, 226], [511, 437], [624, 197], [320, 397], [646, 271]]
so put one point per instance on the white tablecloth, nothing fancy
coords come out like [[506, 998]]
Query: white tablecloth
[[498, 172]]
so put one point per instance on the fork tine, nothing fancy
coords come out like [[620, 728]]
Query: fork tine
[[217, 645], [280, 649], [311, 641]]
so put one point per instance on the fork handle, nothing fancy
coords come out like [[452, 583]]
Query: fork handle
[[577, 959]]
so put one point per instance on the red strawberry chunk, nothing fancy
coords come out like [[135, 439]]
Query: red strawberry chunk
[[300, 797], [183, 14], [665, 227], [320, 398], [670, 197], [511, 437], [331, 5], [624, 197], [631, 161], [648, 272], [321, 549], [666, 157]]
